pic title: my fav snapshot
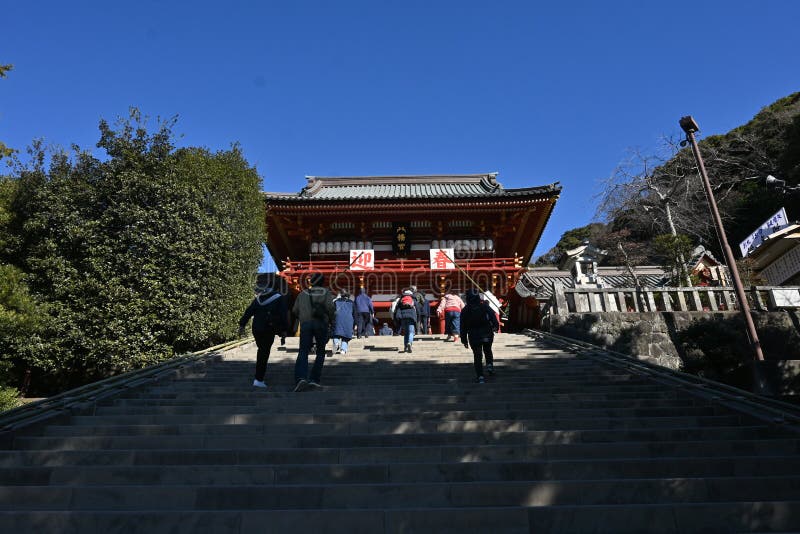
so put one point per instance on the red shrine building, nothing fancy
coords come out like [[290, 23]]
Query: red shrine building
[[384, 234]]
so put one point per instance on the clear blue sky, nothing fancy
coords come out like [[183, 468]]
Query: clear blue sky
[[538, 91]]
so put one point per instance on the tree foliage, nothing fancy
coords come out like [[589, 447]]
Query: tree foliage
[[4, 150], [150, 252], [661, 193], [569, 240]]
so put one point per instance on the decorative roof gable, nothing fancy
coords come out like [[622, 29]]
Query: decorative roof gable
[[408, 187]]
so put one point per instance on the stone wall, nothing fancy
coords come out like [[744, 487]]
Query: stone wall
[[652, 336]]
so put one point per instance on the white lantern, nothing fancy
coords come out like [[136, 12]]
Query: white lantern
[[368, 245], [489, 244], [337, 246], [314, 247], [352, 245], [473, 245], [435, 244], [360, 245], [329, 247], [481, 244], [450, 243]]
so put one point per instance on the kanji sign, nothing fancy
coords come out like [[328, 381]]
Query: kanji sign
[[441, 259], [401, 242], [362, 260], [772, 225]]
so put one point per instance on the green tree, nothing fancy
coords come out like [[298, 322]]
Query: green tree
[[18, 330], [673, 251], [4, 150], [571, 239], [146, 254]]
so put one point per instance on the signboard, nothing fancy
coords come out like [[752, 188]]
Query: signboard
[[401, 241], [362, 259], [783, 268], [785, 298], [442, 259], [772, 225]]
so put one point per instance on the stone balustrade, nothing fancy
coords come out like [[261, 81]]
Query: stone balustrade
[[683, 299]]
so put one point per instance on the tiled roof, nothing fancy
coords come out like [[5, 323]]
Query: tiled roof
[[539, 282], [405, 187]]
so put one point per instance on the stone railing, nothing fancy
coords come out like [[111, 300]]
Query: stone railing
[[686, 299]]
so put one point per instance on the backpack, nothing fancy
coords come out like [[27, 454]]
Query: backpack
[[407, 302], [269, 311], [318, 309]]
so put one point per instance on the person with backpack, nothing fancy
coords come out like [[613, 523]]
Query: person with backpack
[[343, 324], [478, 326], [365, 311], [405, 314], [315, 311], [270, 318], [423, 310]]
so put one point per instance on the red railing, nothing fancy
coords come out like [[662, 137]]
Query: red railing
[[508, 265]]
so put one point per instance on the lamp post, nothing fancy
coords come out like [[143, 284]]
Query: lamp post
[[690, 127]]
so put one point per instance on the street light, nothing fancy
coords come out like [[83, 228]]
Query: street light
[[780, 185], [690, 127]]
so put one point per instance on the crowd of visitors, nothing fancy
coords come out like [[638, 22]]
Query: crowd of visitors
[[320, 317]]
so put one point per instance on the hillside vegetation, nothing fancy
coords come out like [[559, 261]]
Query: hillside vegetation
[[660, 194]]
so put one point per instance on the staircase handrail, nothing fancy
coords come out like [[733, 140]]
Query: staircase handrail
[[45, 408], [778, 411]]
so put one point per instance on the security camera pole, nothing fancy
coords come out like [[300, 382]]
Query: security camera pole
[[690, 127]]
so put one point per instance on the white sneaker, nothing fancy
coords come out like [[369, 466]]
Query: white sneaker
[[259, 384]]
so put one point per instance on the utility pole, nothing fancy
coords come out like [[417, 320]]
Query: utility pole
[[690, 127]]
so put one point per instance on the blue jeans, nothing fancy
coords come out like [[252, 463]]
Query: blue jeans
[[340, 343], [408, 332], [453, 323], [310, 332]]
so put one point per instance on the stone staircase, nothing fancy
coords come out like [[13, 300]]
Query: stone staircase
[[557, 441]]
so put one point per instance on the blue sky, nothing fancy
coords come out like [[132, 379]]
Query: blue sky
[[537, 91]]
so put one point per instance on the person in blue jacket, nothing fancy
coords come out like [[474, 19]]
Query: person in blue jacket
[[344, 322], [364, 312]]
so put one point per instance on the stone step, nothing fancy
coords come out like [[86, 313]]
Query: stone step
[[333, 439], [399, 426], [321, 400], [683, 518], [395, 495], [270, 417], [374, 473], [419, 454], [430, 405]]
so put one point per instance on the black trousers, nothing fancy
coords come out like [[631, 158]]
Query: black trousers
[[264, 341], [481, 348], [364, 318]]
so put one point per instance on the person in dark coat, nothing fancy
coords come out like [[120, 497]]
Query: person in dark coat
[[478, 325], [406, 317], [270, 318], [365, 311], [315, 311], [344, 321]]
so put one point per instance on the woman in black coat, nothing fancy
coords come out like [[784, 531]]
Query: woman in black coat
[[478, 325]]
